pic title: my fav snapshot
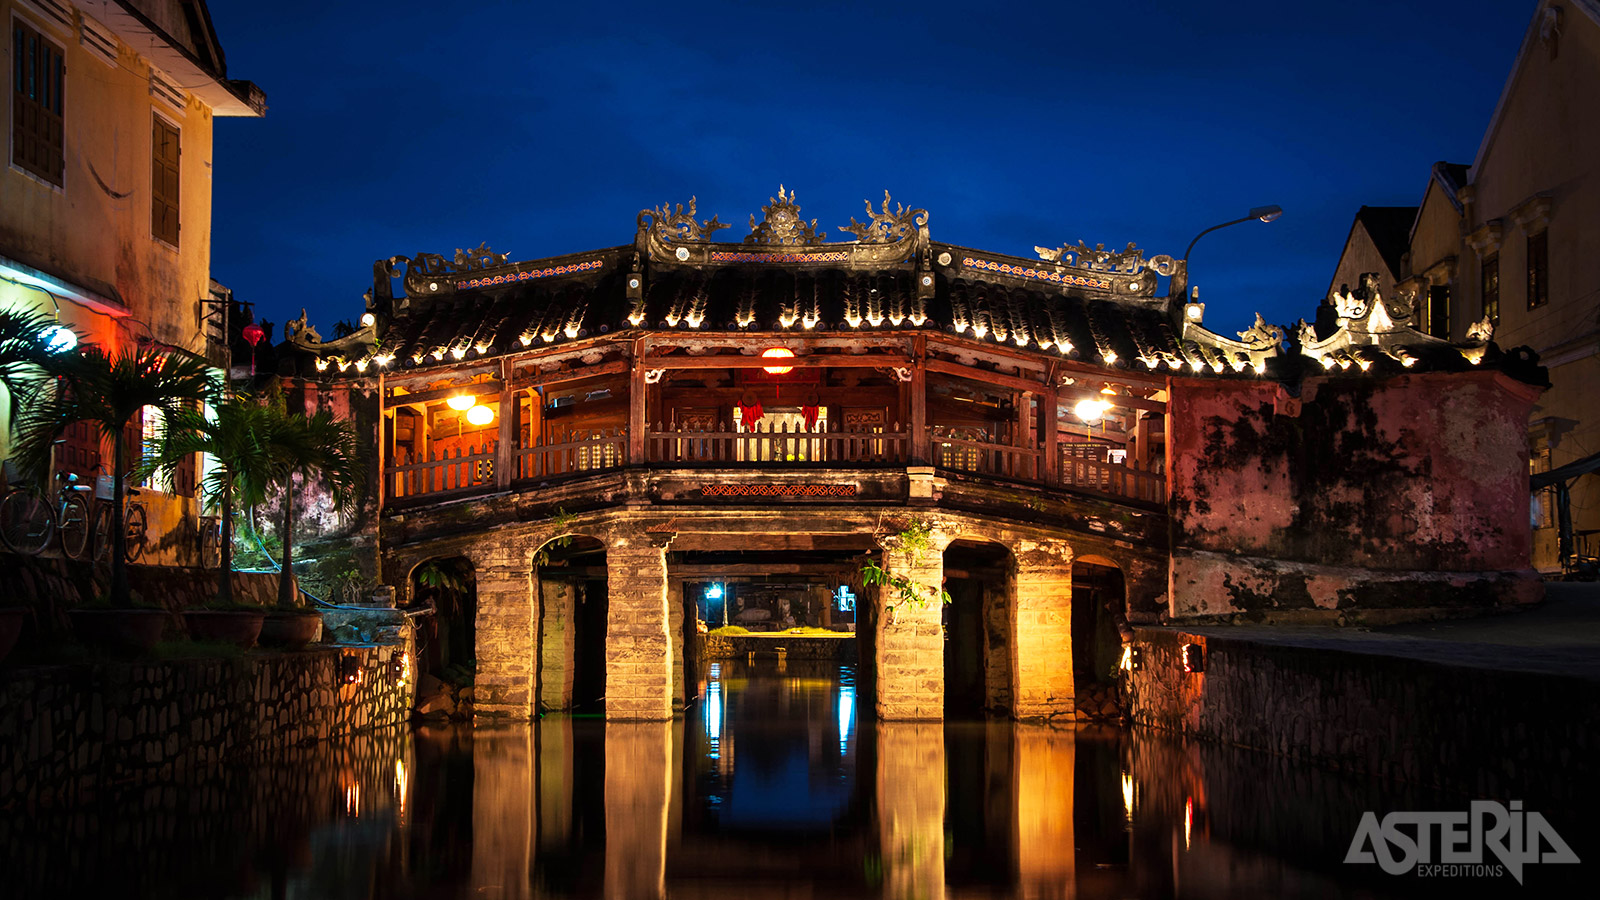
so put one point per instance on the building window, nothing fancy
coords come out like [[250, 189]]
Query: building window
[[1491, 288], [1439, 311], [164, 180], [1543, 507], [38, 76], [1538, 270]]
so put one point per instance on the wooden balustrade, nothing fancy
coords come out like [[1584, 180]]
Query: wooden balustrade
[[446, 473], [572, 452], [785, 444], [964, 450], [1078, 473], [583, 451]]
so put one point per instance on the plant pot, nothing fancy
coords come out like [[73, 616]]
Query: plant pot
[[291, 628], [120, 629], [10, 627], [240, 627]]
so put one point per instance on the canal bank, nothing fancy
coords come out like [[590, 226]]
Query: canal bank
[[1501, 707]]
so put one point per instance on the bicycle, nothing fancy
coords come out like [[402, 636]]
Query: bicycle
[[210, 541], [29, 518], [135, 526]]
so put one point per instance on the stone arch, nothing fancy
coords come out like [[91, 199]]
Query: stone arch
[[446, 640], [978, 662], [1099, 606], [571, 603]]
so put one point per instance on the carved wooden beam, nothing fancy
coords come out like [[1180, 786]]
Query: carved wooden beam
[[841, 361]]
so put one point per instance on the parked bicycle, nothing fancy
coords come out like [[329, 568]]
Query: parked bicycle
[[29, 518], [135, 528], [210, 541]]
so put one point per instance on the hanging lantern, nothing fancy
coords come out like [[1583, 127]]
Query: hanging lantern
[[461, 402], [1094, 409], [253, 334], [777, 353], [58, 338], [480, 415], [750, 411]]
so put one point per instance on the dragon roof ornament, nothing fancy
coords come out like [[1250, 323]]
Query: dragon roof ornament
[[887, 227], [1129, 261], [1370, 326], [782, 225], [673, 224]]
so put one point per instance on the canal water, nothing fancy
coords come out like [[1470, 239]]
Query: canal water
[[778, 784]]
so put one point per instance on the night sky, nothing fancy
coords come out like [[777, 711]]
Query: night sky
[[398, 127]]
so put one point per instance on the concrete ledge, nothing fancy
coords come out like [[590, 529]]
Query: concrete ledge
[[1468, 718]]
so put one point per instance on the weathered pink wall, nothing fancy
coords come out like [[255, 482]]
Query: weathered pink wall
[[1408, 491]]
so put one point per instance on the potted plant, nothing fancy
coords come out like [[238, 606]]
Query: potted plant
[[309, 447], [111, 391]]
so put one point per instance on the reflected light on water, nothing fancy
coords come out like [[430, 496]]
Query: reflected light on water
[[352, 799], [400, 786], [1127, 796], [1188, 820], [847, 714]]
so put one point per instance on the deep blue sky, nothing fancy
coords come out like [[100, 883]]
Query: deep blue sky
[[398, 127]]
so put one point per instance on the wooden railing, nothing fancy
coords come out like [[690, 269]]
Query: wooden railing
[[446, 473], [578, 452], [1110, 478], [965, 450], [572, 452], [784, 445]]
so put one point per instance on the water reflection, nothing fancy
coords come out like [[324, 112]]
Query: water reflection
[[778, 784]]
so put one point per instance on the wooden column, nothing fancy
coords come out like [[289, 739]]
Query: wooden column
[[636, 389], [504, 451], [921, 442], [1025, 431], [1049, 432]]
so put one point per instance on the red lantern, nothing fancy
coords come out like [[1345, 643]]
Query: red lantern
[[253, 334]]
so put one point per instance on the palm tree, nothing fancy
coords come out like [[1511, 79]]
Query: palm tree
[[320, 447], [110, 390], [23, 355], [238, 435]]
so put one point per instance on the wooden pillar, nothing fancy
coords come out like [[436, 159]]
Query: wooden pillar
[[921, 441], [909, 649], [1042, 636], [1141, 442], [1025, 436], [505, 456], [638, 647], [636, 406], [1049, 432]]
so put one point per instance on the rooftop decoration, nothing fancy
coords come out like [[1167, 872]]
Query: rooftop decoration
[[887, 227], [673, 224], [1130, 261], [782, 224], [425, 271], [1371, 327]]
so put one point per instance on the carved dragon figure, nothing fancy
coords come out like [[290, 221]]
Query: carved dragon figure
[[673, 224], [886, 227], [1263, 333]]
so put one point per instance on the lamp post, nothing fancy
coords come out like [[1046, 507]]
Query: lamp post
[[1263, 213]]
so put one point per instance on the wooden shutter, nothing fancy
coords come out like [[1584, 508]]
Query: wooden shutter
[[164, 180], [79, 453], [183, 476], [38, 81]]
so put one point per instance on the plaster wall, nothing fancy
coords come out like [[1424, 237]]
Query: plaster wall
[[1356, 493], [1361, 255]]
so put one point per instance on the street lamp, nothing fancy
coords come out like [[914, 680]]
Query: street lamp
[[1263, 213]]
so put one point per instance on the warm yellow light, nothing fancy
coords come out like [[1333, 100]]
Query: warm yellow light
[[777, 353], [461, 401], [1091, 411], [480, 415]]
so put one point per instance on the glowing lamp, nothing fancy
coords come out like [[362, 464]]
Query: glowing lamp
[[349, 670], [714, 592], [58, 339], [777, 353], [368, 320], [253, 334], [461, 402], [480, 415], [1091, 411]]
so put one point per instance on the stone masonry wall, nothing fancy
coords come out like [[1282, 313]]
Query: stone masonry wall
[[639, 664], [1480, 732], [909, 651], [68, 731], [1043, 630]]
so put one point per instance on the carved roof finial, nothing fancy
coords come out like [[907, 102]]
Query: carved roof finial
[[782, 224], [886, 227]]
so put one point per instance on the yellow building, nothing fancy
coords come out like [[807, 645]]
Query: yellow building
[[1515, 239], [105, 200]]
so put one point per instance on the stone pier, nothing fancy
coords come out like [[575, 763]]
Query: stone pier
[[639, 664], [910, 639], [505, 626], [1043, 637]]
